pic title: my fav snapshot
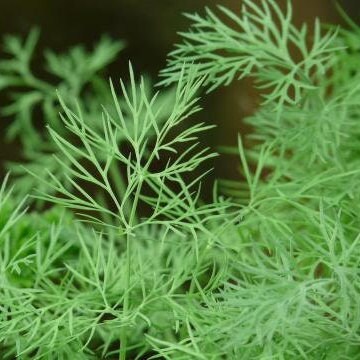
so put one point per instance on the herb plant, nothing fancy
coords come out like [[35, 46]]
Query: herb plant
[[120, 258]]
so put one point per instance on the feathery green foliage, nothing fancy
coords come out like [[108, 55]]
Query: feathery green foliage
[[129, 262], [263, 44]]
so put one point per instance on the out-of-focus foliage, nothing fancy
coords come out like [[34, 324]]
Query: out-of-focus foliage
[[77, 77]]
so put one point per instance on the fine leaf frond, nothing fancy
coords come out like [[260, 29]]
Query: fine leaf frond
[[256, 44]]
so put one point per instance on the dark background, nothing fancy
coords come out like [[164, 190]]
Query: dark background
[[149, 28]]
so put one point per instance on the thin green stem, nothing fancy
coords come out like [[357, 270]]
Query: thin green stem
[[120, 186], [123, 335]]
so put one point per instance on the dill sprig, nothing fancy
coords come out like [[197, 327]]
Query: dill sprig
[[127, 261]]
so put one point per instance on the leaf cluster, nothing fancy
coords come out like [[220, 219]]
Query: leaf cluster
[[269, 269]]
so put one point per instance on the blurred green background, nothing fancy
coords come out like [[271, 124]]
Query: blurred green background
[[149, 28]]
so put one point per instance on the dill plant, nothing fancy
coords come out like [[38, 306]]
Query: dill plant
[[129, 262]]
